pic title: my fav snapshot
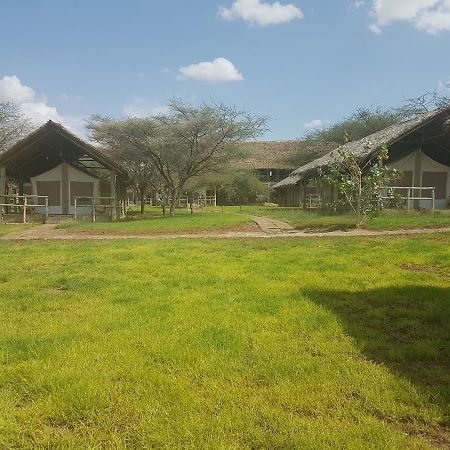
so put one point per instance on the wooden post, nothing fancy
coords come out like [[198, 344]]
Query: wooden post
[[417, 176], [433, 196], [304, 194], [113, 194], [46, 209], [215, 197], [74, 208], [25, 209], [2, 189], [93, 209]]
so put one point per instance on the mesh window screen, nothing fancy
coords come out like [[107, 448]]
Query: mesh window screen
[[438, 180], [81, 189], [52, 189]]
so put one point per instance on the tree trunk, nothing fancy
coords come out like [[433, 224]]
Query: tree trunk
[[175, 194], [190, 201], [142, 204], [358, 204]]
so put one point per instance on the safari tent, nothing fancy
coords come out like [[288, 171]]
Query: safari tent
[[419, 148], [52, 172]]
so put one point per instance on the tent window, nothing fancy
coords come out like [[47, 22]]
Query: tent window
[[52, 189], [438, 180], [81, 189]]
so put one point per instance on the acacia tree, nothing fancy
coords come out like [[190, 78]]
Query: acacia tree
[[138, 164], [359, 182], [186, 142], [13, 125]]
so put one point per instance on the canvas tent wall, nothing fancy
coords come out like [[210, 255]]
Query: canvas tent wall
[[62, 184], [419, 169]]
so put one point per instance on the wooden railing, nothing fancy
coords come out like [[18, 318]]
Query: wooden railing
[[411, 194], [94, 202], [22, 202]]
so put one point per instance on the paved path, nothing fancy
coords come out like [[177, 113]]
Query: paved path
[[273, 226], [49, 232]]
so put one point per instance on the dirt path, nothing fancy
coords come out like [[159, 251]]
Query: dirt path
[[49, 232], [272, 226]]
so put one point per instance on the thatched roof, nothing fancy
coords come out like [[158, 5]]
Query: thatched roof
[[267, 155], [363, 148], [26, 153]]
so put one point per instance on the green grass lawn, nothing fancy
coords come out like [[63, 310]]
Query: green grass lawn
[[388, 220], [312, 344], [154, 223], [12, 228]]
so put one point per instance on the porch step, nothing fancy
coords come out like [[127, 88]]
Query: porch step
[[58, 218]]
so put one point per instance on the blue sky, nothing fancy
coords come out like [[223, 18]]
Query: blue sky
[[298, 61]]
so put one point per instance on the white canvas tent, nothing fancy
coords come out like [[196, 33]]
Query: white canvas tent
[[62, 184], [419, 170]]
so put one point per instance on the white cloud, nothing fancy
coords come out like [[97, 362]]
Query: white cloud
[[218, 71], [35, 107], [314, 124], [432, 16], [140, 107], [70, 98], [12, 90], [260, 12], [443, 85]]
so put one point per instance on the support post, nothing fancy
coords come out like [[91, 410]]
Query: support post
[[74, 208], [417, 177], [113, 194], [93, 209], [2, 190], [433, 196], [25, 204], [46, 209], [304, 195]]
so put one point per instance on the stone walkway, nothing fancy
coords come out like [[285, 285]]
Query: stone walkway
[[273, 226], [269, 229]]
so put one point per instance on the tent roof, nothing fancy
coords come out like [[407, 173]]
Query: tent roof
[[41, 148], [366, 147]]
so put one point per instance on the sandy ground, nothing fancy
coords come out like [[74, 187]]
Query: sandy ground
[[268, 228]]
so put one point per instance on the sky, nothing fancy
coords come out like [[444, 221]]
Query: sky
[[303, 63]]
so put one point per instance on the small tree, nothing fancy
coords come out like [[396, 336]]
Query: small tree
[[138, 164], [359, 182], [186, 142], [13, 125]]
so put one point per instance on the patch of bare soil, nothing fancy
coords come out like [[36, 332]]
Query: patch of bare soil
[[417, 268], [436, 435]]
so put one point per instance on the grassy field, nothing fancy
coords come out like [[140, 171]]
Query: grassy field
[[7, 228], [388, 220], [312, 344], [234, 218], [154, 223]]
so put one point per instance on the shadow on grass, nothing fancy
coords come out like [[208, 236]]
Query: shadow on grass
[[407, 328]]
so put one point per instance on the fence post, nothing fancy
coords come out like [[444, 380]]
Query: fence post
[[93, 209], [408, 199], [25, 209], [75, 209], [433, 196], [46, 209]]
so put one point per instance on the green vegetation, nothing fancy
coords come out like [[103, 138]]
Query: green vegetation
[[236, 218], [7, 228], [318, 343], [154, 223], [387, 220]]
